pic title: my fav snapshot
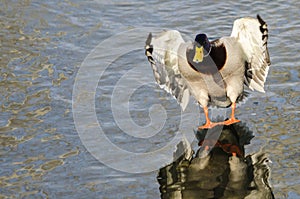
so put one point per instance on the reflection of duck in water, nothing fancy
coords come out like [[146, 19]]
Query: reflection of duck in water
[[218, 172]]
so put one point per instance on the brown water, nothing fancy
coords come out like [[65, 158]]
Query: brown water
[[43, 45]]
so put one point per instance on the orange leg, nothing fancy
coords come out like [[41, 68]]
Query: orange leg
[[232, 119], [208, 123]]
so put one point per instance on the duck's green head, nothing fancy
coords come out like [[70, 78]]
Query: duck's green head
[[201, 43]]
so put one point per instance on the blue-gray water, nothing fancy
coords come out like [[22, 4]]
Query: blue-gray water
[[43, 44]]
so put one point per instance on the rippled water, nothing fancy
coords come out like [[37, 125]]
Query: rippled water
[[42, 47], [219, 172]]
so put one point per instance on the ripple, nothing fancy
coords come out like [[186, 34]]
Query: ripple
[[42, 47]]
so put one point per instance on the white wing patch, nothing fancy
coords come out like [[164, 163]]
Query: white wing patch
[[162, 53], [252, 34]]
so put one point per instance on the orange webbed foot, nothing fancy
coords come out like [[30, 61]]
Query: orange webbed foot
[[208, 125], [231, 121]]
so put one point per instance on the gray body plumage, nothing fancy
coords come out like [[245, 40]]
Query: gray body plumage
[[246, 62], [220, 88]]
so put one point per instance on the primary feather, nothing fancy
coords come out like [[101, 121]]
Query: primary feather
[[252, 34], [162, 54]]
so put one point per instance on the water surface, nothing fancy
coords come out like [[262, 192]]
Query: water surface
[[42, 47]]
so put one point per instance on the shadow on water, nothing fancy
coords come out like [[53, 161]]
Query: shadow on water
[[222, 171]]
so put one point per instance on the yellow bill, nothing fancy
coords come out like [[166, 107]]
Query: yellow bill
[[198, 54]]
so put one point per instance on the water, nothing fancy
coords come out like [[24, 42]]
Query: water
[[219, 172], [43, 46]]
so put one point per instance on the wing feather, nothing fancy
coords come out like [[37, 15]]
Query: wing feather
[[252, 34], [162, 53]]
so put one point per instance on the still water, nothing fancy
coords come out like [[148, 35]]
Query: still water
[[43, 45]]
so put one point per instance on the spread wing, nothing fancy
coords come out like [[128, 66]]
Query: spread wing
[[162, 53], [252, 34]]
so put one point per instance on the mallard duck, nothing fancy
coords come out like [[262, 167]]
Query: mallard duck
[[214, 72]]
